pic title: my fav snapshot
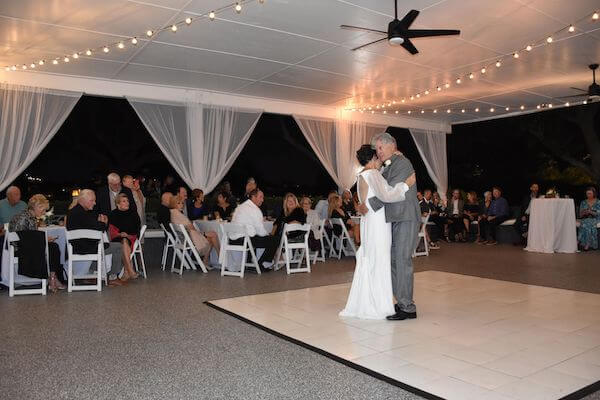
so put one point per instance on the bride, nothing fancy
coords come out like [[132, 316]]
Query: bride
[[371, 294]]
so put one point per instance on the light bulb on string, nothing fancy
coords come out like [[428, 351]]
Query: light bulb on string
[[75, 56], [516, 55], [538, 106], [567, 104], [384, 111], [396, 111], [477, 109], [32, 65], [448, 111], [121, 45], [149, 33], [422, 111], [550, 105], [426, 92], [238, 8], [211, 15], [549, 39], [173, 28], [188, 20], [447, 85], [412, 97], [418, 95], [492, 109], [106, 49], [88, 52], [498, 64], [134, 41], [595, 16], [14, 67], [529, 47], [66, 59], [585, 101], [41, 62], [462, 111], [435, 111], [458, 81], [409, 111], [483, 70], [571, 29], [471, 76], [439, 89], [24, 66], [522, 107], [7, 69], [54, 62], [507, 108]]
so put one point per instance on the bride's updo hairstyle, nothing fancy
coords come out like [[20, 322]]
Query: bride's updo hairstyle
[[365, 154]]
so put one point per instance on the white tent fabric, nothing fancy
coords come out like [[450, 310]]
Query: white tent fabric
[[29, 119], [335, 143], [200, 141], [432, 148]]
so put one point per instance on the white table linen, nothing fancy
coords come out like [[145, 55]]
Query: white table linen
[[552, 226]]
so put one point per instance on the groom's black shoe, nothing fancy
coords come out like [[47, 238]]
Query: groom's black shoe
[[401, 315]]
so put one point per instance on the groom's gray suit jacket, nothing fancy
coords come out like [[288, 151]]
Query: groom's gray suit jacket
[[408, 210]]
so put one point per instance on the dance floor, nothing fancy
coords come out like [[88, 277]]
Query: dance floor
[[475, 338]]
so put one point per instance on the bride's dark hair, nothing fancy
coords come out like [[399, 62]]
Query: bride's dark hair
[[365, 154]]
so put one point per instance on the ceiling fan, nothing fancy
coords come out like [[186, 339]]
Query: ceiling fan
[[593, 91], [398, 33]]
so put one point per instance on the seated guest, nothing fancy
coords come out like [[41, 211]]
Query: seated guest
[[336, 211], [347, 204], [168, 185], [123, 227], [27, 220], [250, 186], [496, 215], [163, 215], [589, 212], [226, 189], [196, 207], [483, 213], [455, 216], [202, 242], [471, 211], [249, 214], [428, 208], [11, 205], [107, 195], [291, 213], [223, 209], [419, 196], [522, 223], [323, 205], [312, 218], [138, 196], [182, 193], [83, 216]]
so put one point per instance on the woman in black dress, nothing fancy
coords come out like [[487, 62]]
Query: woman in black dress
[[292, 214], [223, 210], [336, 211], [471, 211], [124, 227]]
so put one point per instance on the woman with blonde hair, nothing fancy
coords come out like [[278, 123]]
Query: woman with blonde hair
[[123, 227], [336, 211], [202, 242], [27, 220], [292, 214]]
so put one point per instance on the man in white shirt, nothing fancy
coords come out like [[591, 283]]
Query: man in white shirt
[[249, 214]]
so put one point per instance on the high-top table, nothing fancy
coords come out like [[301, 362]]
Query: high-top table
[[552, 226]]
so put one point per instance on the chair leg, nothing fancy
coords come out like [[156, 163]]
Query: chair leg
[[143, 263]]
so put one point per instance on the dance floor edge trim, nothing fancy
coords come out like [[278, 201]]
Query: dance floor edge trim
[[579, 394]]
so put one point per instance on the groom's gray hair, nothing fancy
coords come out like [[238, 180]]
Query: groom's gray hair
[[384, 137]]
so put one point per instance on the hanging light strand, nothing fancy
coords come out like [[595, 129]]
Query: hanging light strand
[[546, 40], [236, 6]]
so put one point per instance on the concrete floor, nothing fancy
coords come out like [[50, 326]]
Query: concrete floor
[[156, 338]]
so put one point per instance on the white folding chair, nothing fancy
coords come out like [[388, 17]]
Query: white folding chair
[[98, 257], [346, 245], [227, 231], [137, 251], [169, 244], [422, 235], [15, 279], [186, 251], [323, 237], [294, 251]]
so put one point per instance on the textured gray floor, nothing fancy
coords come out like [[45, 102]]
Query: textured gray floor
[[156, 339]]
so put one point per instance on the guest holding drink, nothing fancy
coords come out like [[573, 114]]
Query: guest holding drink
[[589, 212]]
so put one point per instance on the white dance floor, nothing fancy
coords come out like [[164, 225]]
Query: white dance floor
[[474, 338]]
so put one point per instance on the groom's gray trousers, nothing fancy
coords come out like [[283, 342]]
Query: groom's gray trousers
[[404, 242]]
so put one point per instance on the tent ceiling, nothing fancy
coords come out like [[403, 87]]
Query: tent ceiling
[[294, 50]]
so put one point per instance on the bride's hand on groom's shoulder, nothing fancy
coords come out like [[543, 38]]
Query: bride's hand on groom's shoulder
[[411, 180]]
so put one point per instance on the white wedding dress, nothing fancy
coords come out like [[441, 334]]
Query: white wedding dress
[[371, 294]]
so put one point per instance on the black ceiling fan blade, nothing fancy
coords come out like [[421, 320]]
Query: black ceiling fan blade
[[574, 96], [410, 47], [581, 90], [416, 33], [409, 18], [358, 28], [368, 44]]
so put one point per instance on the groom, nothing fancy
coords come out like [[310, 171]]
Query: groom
[[405, 217]]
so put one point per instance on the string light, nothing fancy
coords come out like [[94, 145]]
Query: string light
[[462, 111], [498, 64], [188, 20], [529, 47], [471, 76], [32, 65], [54, 62], [426, 92], [174, 28], [134, 41], [238, 8], [121, 45], [397, 111], [412, 97], [483, 70], [507, 108], [549, 39], [66, 59], [149, 33], [24, 66], [585, 101], [106, 49], [75, 56], [448, 111], [516, 55], [522, 107], [385, 112], [7, 68], [211, 15], [435, 111], [88, 52], [477, 109], [595, 16], [409, 111], [439, 89], [458, 81], [571, 29], [492, 109], [418, 95], [567, 104], [41, 62]]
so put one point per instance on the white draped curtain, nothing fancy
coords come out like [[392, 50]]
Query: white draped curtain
[[200, 141], [335, 143], [432, 148], [29, 119]]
